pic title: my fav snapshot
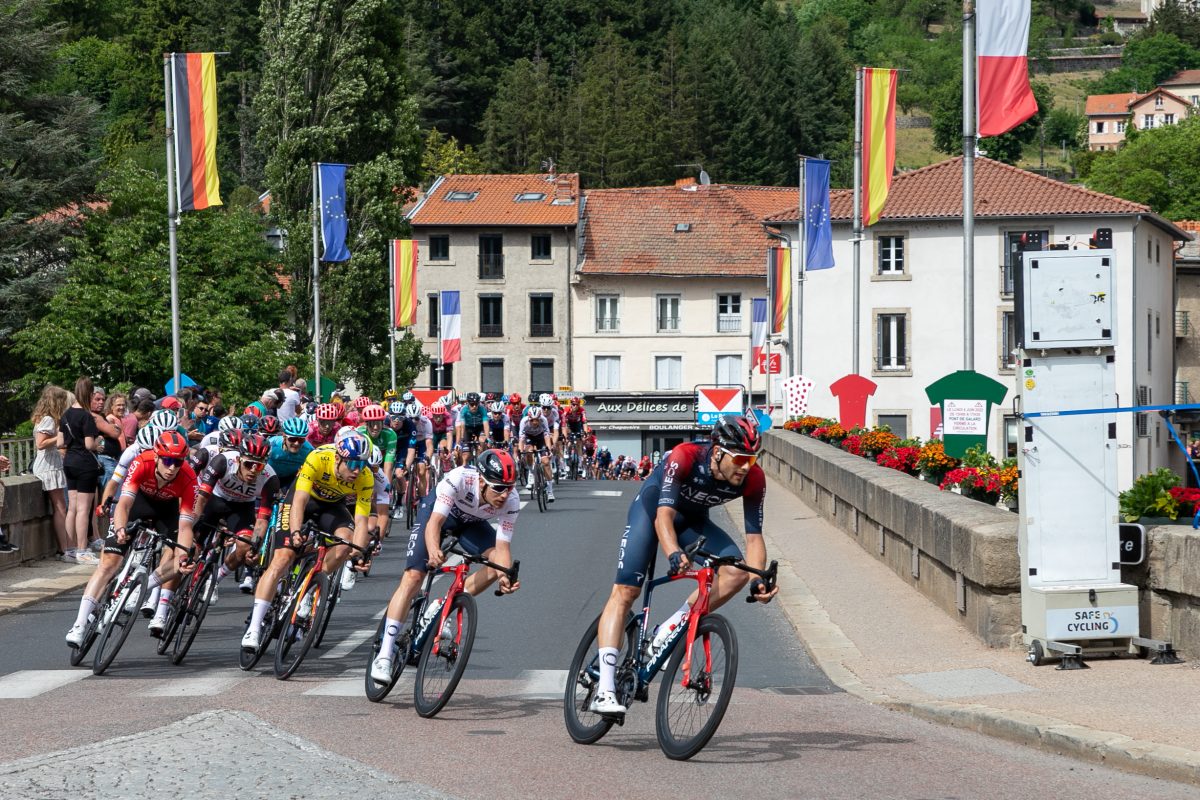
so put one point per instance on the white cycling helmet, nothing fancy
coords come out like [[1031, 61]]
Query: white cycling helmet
[[148, 435], [408, 397], [496, 408], [413, 410], [535, 412], [343, 432], [375, 457], [229, 422], [164, 418], [545, 400]]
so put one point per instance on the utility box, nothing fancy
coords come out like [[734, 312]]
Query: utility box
[[1067, 299]]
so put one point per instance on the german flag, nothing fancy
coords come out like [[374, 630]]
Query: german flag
[[779, 285], [194, 104]]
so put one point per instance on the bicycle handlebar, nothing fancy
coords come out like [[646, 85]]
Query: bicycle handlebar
[[450, 544], [770, 575], [136, 526]]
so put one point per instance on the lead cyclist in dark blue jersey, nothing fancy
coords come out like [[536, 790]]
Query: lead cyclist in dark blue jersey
[[672, 511]]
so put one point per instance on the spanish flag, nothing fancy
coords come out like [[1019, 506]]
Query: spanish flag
[[404, 278], [194, 120], [779, 285], [878, 140]]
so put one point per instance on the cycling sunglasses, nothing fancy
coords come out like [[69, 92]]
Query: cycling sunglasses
[[253, 465], [500, 488], [354, 464], [295, 439], [170, 462], [740, 459]]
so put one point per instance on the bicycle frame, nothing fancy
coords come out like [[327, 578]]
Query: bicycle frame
[[324, 542], [461, 570], [647, 670]]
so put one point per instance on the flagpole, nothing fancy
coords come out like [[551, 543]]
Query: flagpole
[[856, 223], [392, 308], [750, 376], [798, 361], [172, 220], [441, 364], [969, 184], [316, 280]]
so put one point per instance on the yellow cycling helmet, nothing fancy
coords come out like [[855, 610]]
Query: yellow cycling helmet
[[390, 394]]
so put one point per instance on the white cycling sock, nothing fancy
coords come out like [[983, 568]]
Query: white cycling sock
[[164, 600], [86, 606], [222, 571], [608, 669], [391, 629], [260, 611], [154, 581]]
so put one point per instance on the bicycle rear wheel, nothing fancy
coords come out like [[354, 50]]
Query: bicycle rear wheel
[[270, 628], [117, 621], [376, 692], [193, 610], [298, 633], [410, 502], [688, 716], [91, 630], [438, 673]]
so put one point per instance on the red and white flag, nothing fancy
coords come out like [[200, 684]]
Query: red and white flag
[[1003, 96]]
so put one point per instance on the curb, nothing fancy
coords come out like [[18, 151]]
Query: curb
[[44, 589], [829, 646]]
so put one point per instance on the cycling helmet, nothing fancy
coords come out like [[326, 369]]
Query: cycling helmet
[[389, 395], [413, 410], [250, 422], [408, 397], [472, 397], [361, 402], [545, 400], [164, 418], [438, 408], [376, 456], [577, 401], [254, 446], [230, 439], [310, 408], [229, 422], [515, 398], [396, 407], [496, 408], [329, 412], [343, 432], [295, 427], [269, 426], [353, 447], [489, 398], [171, 444], [497, 468], [737, 434], [535, 412], [253, 411], [147, 436], [373, 413], [351, 418]]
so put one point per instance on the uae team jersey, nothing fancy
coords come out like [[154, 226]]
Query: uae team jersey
[[459, 496], [220, 478], [685, 482]]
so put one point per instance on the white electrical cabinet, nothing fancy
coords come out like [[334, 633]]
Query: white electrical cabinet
[[1073, 602]]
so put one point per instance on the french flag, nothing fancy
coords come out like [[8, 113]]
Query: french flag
[[1003, 95], [451, 327], [758, 333]]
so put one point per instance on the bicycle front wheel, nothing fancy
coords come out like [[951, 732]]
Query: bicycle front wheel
[[299, 630], [335, 594], [117, 620], [438, 673], [376, 692], [689, 714], [193, 610]]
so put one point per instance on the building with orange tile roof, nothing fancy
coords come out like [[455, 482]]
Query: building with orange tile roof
[[1109, 114], [911, 297]]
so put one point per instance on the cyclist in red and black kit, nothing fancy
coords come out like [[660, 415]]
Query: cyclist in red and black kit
[[160, 489], [672, 511]]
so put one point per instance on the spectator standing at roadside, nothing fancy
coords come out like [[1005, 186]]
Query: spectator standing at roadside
[[5, 545], [291, 397], [80, 438], [112, 414], [48, 464], [141, 406]]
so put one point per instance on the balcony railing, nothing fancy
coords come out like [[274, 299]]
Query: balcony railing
[[1006, 278], [1182, 395], [491, 266], [729, 323], [541, 330], [668, 324], [885, 363], [1183, 326], [490, 331], [608, 325]]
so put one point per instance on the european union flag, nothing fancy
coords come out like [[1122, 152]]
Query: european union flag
[[331, 181], [817, 230]]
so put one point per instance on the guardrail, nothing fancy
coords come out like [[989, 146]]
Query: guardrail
[[20, 452]]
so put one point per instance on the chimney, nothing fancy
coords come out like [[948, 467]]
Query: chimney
[[683, 183]]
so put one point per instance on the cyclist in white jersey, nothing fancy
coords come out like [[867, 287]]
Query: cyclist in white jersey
[[535, 436]]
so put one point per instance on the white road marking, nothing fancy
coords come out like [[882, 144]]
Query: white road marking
[[605, 493], [203, 684], [351, 683], [544, 683], [29, 683], [347, 646]]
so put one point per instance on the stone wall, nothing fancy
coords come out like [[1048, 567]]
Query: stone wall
[[26, 520], [965, 552], [1170, 587]]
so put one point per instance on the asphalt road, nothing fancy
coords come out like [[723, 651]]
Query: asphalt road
[[788, 732]]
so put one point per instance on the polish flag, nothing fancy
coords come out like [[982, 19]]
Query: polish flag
[[1003, 97], [451, 327]]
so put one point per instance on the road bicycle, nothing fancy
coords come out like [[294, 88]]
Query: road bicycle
[[440, 659], [310, 601], [190, 603], [698, 679], [109, 625], [575, 459]]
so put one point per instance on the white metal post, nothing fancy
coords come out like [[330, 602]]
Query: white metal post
[[316, 279], [392, 307], [172, 217], [856, 224], [968, 141], [801, 269]]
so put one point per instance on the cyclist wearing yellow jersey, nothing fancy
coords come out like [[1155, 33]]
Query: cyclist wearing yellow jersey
[[330, 474]]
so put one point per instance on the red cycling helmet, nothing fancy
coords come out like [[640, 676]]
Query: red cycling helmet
[[329, 412], [373, 413], [362, 402], [255, 446], [737, 434], [497, 468], [171, 444], [269, 425], [514, 399]]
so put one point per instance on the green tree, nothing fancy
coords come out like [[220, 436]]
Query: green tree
[[1159, 167], [1146, 62], [333, 90], [110, 317], [521, 127], [444, 156], [1179, 19]]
